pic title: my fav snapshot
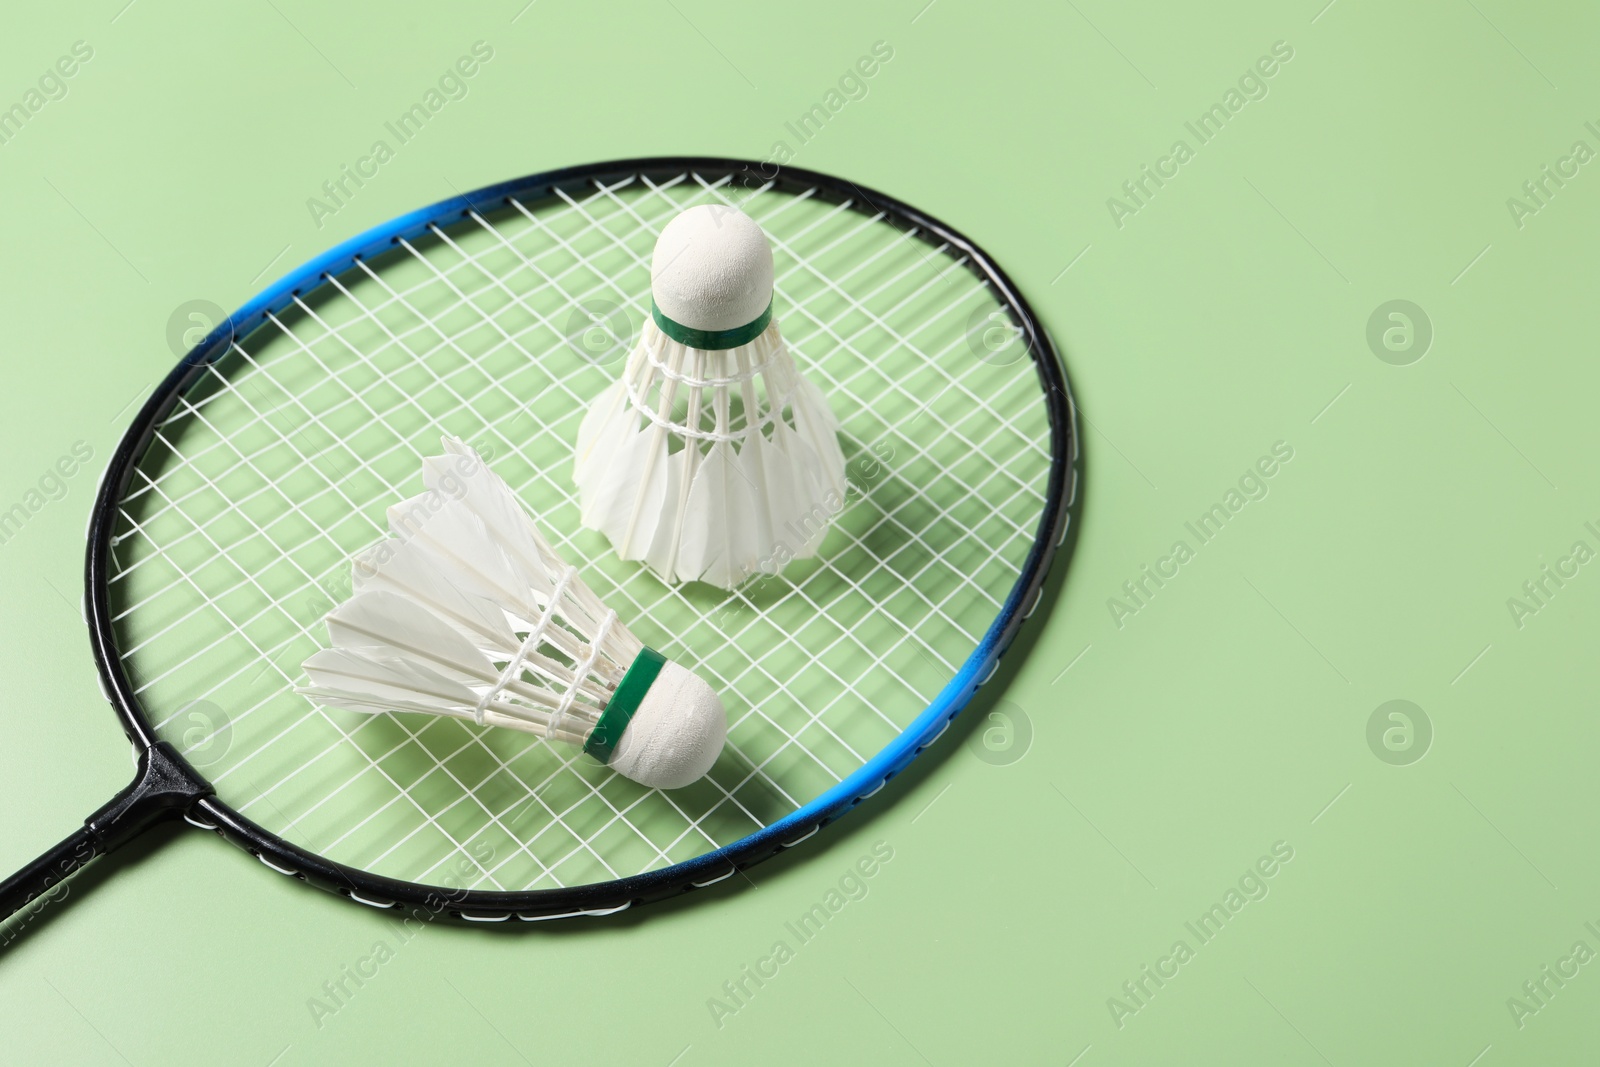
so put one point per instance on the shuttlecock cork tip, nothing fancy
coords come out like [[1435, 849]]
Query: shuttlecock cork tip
[[712, 269], [676, 734]]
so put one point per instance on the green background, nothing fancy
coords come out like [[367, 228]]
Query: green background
[[1130, 775]]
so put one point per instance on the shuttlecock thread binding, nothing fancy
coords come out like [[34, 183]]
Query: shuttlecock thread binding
[[749, 371]]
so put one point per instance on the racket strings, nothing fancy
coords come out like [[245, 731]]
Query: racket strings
[[930, 360], [391, 492], [938, 634], [555, 815], [492, 320], [243, 633], [643, 226], [335, 280], [391, 487]]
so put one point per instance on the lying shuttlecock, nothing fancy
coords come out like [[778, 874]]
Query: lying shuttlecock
[[712, 458], [467, 611]]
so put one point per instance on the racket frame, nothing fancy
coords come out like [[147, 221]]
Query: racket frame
[[186, 792]]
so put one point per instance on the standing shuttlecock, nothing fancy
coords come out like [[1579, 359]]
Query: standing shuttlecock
[[467, 611], [712, 458]]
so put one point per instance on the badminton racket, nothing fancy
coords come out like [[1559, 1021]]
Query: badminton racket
[[224, 528]]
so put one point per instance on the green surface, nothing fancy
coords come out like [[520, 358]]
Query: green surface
[[1152, 766]]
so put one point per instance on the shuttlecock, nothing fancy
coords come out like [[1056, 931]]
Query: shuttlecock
[[711, 458], [467, 611]]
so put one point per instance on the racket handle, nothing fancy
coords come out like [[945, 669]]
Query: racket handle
[[164, 786], [46, 872]]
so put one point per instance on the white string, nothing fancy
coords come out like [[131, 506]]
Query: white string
[[587, 664], [766, 417], [361, 356], [345, 396], [534, 639]]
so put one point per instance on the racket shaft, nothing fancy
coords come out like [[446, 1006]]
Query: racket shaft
[[47, 872], [164, 787]]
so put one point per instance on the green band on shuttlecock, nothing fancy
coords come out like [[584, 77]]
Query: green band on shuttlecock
[[711, 340], [641, 675]]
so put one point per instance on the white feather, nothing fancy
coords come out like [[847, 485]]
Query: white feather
[[772, 495], [360, 680], [722, 554], [710, 500], [459, 542], [392, 625], [657, 528], [397, 566], [468, 612], [819, 429], [443, 606]]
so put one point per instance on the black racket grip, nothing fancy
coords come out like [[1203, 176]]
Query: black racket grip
[[46, 872], [164, 786]]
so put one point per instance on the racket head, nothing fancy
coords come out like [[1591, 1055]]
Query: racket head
[[1012, 578]]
